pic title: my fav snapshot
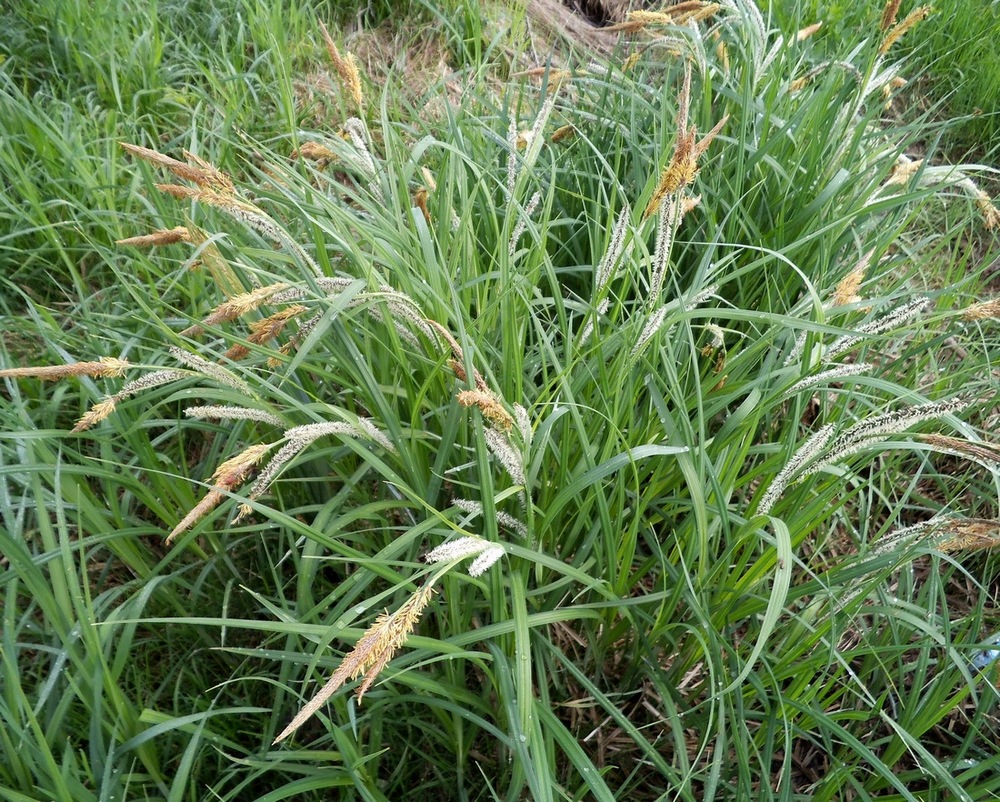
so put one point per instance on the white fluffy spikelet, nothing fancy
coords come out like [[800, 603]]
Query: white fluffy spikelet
[[606, 269], [210, 369], [506, 455], [522, 222], [839, 372], [484, 561], [809, 449], [218, 412]]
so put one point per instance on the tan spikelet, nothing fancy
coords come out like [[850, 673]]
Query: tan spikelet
[[903, 171], [690, 204], [235, 307], [554, 75], [458, 356], [370, 655], [345, 66], [97, 413], [808, 31], [420, 201], [313, 151], [489, 405], [563, 133], [228, 475], [889, 15], [897, 31], [165, 236], [106, 367], [262, 331], [983, 311], [970, 534], [990, 213], [683, 166], [982, 452], [204, 174], [707, 11]]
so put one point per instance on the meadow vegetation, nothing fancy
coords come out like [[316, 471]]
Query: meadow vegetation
[[479, 427]]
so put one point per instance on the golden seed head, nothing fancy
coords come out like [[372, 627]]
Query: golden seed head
[[164, 236], [97, 413], [234, 470], [563, 133], [370, 655], [345, 67], [489, 405], [897, 31], [970, 534], [314, 151], [808, 31], [990, 213], [420, 201], [204, 174], [903, 171], [983, 311], [889, 12]]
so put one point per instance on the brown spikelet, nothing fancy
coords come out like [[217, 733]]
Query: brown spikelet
[[177, 191], [903, 171], [166, 236], [262, 331], [370, 655], [106, 367], [707, 11], [346, 68], [563, 134], [313, 151], [897, 31], [270, 327], [228, 475], [420, 201], [983, 311], [97, 413], [889, 12], [983, 452], [458, 356], [683, 166], [489, 405], [236, 307], [970, 534], [204, 174], [808, 31], [990, 213]]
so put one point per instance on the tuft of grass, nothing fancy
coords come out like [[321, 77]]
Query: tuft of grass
[[676, 411]]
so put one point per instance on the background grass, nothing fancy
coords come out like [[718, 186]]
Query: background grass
[[656, 634]]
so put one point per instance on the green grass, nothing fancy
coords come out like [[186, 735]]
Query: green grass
[[950, 60], [671, 626]]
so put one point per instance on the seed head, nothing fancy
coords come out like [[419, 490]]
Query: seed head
[[371, 654]]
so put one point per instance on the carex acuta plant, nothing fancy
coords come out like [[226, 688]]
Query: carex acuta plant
[[540, 410]]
